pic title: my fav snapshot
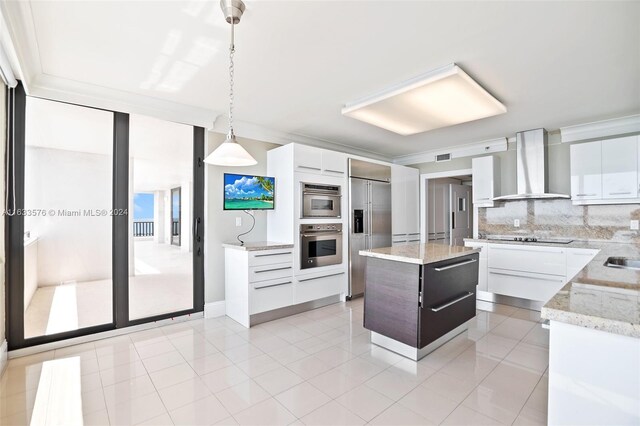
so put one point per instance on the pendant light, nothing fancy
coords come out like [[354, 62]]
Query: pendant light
[[230, 152]]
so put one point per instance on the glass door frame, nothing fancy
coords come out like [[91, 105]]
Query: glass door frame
[[14, 229], [179, 191]]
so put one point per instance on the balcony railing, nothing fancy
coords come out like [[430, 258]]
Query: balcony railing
[[142, 229]]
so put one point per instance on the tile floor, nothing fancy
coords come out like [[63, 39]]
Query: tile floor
[[316, 368]]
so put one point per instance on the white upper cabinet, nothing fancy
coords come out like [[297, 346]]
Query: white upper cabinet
[[308, 159], [405, 203], [486, 178], [586, 171], [620, 168], [606, 172], [334, 163]]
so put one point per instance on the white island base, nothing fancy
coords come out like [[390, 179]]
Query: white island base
[[594, 377], [415, 353]]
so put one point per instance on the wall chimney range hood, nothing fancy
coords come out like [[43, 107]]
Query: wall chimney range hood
[[531, 166]]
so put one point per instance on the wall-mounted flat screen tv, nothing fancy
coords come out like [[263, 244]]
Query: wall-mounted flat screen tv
[[247, 192]]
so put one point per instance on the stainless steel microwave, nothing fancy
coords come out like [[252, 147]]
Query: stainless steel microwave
[[320, 200], [320, 245]]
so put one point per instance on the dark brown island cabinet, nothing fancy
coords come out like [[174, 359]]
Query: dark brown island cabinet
[[417, 297]]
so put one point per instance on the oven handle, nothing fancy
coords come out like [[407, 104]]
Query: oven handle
[[328, 193], [327, 234]]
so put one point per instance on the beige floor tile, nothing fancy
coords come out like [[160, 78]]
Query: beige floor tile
[[124, 391], [136, 410], [450, 387], [204, 411], [531, 417], [242, 396], [122, 373], [278, 380], [332, 413], [161, 420], [537, 336], [183, 393], [334, 356], [93, 401], [302, 399], [288, 354], [97, 418], [308, 367], [513, 328], [463, 416], [172, 375], [428, 404], [258, 365], [242, 353], [155, 349], [399, 415], [503, 407], [224, 378], [360, 369], [268, 412], [393, 384], [165, 360], [209, 363], [470, 366], [121, 357], [529, 356], [335, 382], [365, 402]]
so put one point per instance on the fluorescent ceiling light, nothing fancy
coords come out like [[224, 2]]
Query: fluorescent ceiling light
[[440, 98]]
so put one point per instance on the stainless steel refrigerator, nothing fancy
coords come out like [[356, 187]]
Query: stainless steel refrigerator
[[369, 218]]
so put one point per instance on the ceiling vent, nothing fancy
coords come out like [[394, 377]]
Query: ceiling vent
[[443, 157]]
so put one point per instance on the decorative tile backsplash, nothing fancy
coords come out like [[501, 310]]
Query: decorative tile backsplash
[[561, 219]]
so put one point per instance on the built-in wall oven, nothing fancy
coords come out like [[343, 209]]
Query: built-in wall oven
[[320, 245], [320, 200]]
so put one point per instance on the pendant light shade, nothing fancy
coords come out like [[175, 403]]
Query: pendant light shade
[[230, 153]]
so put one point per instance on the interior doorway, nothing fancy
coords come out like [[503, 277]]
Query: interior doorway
[[447, 213]]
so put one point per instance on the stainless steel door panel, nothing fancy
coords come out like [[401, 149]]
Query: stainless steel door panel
[[358, 196], [380, 214], [366, 170], [357, 242]]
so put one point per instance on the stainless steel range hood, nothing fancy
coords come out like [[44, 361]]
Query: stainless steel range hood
[[531, 166]]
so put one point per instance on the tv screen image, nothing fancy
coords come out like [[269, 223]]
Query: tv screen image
[[247, 192]]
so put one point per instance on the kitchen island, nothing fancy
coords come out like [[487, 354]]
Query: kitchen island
[[419, 296]]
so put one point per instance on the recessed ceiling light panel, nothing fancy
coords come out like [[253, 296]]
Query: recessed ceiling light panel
[[439, 98]]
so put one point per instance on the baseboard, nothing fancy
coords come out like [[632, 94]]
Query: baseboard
[[214, 309], [3, 357]]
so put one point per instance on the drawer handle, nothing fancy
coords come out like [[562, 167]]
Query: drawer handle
[[411, 241], [453, 302], [514, 248], [482, 199], [272, 254], [334, 171], [455, 265], [586, 195], [309, 167], [270, 270], [526, 276], [324, 276], [272, 285], [619, 193]]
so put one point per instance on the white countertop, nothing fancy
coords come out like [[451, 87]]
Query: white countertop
[[256, 245], [420, 254]]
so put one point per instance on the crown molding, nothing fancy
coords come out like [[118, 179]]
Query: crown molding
[[19, 40], [601, 129], [257, 132], [469, 150], [75, 92]]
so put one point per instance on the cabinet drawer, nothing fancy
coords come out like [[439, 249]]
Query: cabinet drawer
[[524, 285], [436, 320], [542, 260], [307, 159], [317, 287], [446, 280], [270, 272], [269, 295], [270, 257]]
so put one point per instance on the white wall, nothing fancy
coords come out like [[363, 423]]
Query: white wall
[[69, 248], [220, 224]]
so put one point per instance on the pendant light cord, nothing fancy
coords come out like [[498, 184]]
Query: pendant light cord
[[251, 229], [232, 50]]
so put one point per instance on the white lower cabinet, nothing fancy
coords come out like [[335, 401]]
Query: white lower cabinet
[[319, 285], [257, 281], [528, 271]]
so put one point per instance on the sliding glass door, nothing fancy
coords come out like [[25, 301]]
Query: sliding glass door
[[92, 225]]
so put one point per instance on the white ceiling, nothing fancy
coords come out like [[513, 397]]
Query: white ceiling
[[161, 152], [298, 62]]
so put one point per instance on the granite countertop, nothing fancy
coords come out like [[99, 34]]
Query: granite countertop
[[420, 254], [598, 297], [257, 245]]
